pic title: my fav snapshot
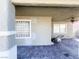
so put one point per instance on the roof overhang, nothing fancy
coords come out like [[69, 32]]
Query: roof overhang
[[56, 3]]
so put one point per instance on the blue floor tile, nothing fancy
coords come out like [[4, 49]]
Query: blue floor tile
[[67, 49]]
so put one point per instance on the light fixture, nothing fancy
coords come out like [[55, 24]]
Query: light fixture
[[72, 20]]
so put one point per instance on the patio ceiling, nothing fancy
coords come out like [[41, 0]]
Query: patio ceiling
[[56, 3], [56, 13]]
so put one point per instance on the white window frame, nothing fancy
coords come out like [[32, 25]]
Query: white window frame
[[30, 28], [59, 23]]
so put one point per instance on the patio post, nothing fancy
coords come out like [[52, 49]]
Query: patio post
[[7, 30]]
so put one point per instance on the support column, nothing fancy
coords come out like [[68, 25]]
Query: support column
[[7, 30]]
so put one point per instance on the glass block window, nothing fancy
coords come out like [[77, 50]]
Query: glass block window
[[23, 29]]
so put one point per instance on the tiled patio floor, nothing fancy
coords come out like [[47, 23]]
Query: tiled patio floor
[[67, 49]]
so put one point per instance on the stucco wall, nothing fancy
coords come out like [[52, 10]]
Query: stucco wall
[[41, 31], [7, 20], [7, 39], [3, 14]]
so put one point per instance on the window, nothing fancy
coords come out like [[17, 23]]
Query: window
[[23, 29], [59, 28]]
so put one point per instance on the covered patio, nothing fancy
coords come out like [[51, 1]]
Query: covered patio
[[27, 29], [39, 46]]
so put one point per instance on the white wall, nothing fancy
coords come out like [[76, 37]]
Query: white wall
[[3, 14], [41, 31], [7, 38], [7, 19]]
